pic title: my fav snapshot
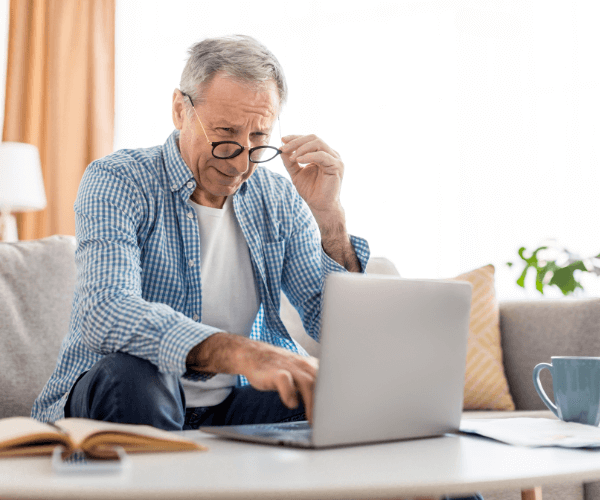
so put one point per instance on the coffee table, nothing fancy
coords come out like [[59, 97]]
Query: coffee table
[[451, 464]]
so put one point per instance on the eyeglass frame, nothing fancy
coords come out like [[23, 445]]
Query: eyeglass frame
[[239, 151]]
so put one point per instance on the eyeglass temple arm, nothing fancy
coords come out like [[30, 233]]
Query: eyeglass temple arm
[[205, 134], [279, 123], [199, 121]]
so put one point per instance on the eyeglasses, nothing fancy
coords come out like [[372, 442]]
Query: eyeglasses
[[224, 150]]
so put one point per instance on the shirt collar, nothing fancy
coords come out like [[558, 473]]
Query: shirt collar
[[178, 173]]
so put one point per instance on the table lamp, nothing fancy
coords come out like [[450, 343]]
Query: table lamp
[[21, 185]]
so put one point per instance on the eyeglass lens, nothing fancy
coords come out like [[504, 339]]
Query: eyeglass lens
[[262, 154], [257, 155]]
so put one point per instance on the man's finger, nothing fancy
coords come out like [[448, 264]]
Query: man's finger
[[288, 138], [324, 160], [310, 146], [312, 365], [293, 142], [286, 389], [291, 166], [306, 386]]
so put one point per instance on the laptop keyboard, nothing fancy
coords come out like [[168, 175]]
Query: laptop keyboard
[[284, 426], [290, 431]]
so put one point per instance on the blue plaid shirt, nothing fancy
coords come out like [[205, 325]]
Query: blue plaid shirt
[[138, 265]]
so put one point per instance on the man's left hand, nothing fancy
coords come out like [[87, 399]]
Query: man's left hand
[[316, 171]]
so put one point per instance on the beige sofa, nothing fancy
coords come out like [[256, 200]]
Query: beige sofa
[[36, 286]]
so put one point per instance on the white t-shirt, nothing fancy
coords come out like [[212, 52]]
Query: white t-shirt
[[230, 299]]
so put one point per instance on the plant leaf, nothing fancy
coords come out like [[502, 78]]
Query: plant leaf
[[564, 278]]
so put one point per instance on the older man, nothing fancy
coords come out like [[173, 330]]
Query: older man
[[183, 251]]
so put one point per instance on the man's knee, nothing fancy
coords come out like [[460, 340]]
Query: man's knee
[[127, 389], [125, 369]]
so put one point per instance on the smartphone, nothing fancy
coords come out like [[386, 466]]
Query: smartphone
[[79, 463]]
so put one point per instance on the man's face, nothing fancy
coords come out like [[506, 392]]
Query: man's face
[[230, 112]]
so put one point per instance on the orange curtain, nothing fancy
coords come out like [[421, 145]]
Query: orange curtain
[[60, 97]]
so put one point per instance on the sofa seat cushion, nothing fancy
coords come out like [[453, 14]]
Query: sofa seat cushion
[[37, 279]]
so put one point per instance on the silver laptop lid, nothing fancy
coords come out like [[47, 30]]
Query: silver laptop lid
[[393, 357]]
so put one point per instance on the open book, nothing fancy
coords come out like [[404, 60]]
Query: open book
[[21, 436]]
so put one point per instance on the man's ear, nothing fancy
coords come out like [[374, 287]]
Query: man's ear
[[178, 109]]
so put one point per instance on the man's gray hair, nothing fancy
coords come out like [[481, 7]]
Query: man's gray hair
[[239, 56]]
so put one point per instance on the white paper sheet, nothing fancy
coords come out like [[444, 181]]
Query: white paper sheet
[[535, 432]]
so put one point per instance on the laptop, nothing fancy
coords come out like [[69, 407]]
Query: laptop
[[392, 365]]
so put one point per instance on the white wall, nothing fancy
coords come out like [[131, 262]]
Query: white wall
[[4, 4], [468, 128]]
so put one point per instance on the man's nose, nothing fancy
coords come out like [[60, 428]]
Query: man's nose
[[241, 163]]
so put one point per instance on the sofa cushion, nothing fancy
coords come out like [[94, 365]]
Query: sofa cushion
[[535, 330], [486, 387], [37, 279]]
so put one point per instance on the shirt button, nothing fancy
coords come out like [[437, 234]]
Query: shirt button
[[190, 215], [196, 317], [191, 262], [190, 184]]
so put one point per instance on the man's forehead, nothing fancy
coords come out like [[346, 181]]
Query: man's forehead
[[260, 119], [264, 125], [254, 97]]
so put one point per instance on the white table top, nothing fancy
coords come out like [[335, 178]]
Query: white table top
[[450, 464]]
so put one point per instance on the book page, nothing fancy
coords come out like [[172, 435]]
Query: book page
[[97, 437], [29, 435]]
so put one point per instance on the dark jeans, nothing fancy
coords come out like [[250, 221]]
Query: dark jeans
[[126, 389], [130, 390]]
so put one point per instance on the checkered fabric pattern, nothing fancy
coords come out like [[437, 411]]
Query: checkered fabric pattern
[[139, 287]]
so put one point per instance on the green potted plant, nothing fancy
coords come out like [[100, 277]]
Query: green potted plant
[[556, 266]]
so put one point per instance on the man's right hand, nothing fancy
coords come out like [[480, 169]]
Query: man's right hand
[[267, 368]]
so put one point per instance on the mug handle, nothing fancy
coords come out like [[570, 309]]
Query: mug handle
[[540, 390]]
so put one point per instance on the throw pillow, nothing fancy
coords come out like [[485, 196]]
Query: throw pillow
[[486, 387]]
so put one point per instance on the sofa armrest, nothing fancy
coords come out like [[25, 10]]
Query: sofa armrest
[[533, 331], [37, 280]]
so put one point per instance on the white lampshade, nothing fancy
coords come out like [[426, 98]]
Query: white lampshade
[[21, 182]]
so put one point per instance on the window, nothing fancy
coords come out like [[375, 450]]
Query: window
[[484, 114]]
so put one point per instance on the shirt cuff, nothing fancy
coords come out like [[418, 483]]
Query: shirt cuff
[[361, 248], [176, 345]]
